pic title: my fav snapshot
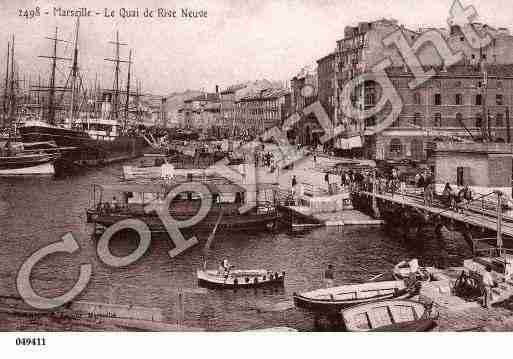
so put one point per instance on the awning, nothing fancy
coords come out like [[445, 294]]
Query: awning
[[137, 188], [348, 143]]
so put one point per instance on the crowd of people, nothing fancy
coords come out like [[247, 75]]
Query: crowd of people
[[395, 183]]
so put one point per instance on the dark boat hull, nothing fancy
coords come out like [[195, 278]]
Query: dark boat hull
[[63, 137], [228, 223], [268, 283], [85, 147]]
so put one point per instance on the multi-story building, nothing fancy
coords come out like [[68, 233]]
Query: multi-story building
[[228, 97], [262, 110], [304, 91], [201, 112], [454, 103], [326, 83], [459, 103], [231, 119]]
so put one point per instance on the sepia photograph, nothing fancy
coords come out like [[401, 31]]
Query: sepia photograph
[[271, 166]]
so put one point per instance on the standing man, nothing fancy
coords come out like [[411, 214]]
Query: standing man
[[488, 283], [329, 277], [294, 181]]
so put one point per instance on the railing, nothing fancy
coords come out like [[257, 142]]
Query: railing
[[492, 252]]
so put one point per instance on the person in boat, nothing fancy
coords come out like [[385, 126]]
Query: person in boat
[[488, 283], [226, 265], [329, 276], [8, 149], [114, 205]]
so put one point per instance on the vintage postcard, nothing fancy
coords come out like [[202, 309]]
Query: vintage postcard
[[273, 165]]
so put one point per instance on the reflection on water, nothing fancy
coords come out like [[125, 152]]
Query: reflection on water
[[36, 212]]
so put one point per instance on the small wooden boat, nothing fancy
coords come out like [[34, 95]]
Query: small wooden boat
[[405, 270], [23, 164], [388, 315], [239, 278], [336, 298]]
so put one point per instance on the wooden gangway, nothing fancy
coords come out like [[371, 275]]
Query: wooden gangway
[[475, 215]]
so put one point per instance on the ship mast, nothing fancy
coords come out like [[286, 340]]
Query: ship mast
[[127, 91], [74, 71], [51, 89], [117, 61], [6, 84], [12, 99]]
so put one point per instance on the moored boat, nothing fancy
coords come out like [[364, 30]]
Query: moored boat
[[151, 165], [239, 278], [336, 298], [411, 269], [134, 199], [27, 163], [389, 315]]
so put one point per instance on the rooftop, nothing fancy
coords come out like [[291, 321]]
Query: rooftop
[[208, 97], [265, 94]]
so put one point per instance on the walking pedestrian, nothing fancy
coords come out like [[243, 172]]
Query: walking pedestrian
[[294, 181]]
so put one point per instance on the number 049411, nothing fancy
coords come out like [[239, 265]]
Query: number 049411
[[31, 341]]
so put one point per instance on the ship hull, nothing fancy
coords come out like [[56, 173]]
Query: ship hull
[[80, 147]]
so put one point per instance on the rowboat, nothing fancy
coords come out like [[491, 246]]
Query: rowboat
[[26, 164], [405, 270], [336, 298], [388, 315], [239, 278]]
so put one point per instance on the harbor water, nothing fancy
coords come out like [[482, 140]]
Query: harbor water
[[36, 212]]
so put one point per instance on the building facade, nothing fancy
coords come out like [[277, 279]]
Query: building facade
[[201, 112], [261, 111], [470, 100], [458, 104]]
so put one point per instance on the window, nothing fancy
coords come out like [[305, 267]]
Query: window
[[371, 121], [438, 120], [479, 121], [459, 119], [479, 99], [458, 99], [499, 99], [396, 146], [438, 99], [416, 98], [371, 99], [499, 84], [417, 119], [499, 120]]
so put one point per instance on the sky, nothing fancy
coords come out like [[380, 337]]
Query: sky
[[239, 40]]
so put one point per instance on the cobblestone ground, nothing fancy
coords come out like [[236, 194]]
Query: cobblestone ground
[[476, 319]]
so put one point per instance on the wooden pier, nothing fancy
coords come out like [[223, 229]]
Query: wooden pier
[[477, 221]]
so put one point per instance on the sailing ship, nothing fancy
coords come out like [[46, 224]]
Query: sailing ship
[[84, 143], [15, 160]]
